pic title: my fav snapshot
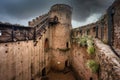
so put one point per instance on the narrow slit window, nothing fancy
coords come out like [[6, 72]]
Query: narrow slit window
[[67, 45]]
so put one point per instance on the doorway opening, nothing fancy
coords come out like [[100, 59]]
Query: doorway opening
[[66, 63], [91, 78], [44, 72]]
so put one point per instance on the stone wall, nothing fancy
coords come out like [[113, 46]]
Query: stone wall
[[109, 62], [116, 24], [98, 30], [30, 59], [24, 60], [79, 60]]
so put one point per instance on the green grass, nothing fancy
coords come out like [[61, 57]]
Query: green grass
[[90, 46], [91, 50], [94, 66], [87, 41]]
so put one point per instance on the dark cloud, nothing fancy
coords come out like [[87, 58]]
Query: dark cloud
[[25, 9], [84, 8]]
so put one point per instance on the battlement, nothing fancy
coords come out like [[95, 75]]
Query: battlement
[[37, 20]]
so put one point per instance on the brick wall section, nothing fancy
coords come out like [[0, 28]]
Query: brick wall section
[[109, 62]]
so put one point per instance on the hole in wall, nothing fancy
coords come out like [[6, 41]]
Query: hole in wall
[[66, 63], [91, 78], [6, 51], [6, 45], [67, 45], [46, 45], [44, 72]]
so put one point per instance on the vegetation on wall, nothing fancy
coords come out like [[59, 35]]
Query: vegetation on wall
[[91, 50], [82, 41], [90, 46], [87, 41], [94, 66]]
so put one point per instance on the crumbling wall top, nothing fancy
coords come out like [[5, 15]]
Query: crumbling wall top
[[61, 7]]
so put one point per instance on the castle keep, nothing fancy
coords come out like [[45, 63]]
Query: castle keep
[[50, 43]]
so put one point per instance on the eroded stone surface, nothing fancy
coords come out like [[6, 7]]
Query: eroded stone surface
[[109, 62]]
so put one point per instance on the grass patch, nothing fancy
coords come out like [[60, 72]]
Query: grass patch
[[87, 41], [94, 66], [91, 50]]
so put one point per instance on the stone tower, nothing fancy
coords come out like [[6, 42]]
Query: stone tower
[[60, 35]]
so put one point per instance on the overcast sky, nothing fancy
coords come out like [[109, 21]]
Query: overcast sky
[[22, 11]]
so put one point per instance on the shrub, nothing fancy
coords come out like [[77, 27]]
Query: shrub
[[90, 42], [91, 50], [83, 41], [94, 66]]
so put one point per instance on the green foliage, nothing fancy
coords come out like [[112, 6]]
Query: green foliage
[[90, 46], [91, 50], [83, 41], [94, 66], [87, 41], [90, 42]]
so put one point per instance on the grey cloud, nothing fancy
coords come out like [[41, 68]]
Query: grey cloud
[[25, 9]]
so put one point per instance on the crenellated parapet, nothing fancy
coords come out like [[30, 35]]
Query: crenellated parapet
[[37, 20]]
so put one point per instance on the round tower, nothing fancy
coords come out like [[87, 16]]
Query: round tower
[[60, 16]]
